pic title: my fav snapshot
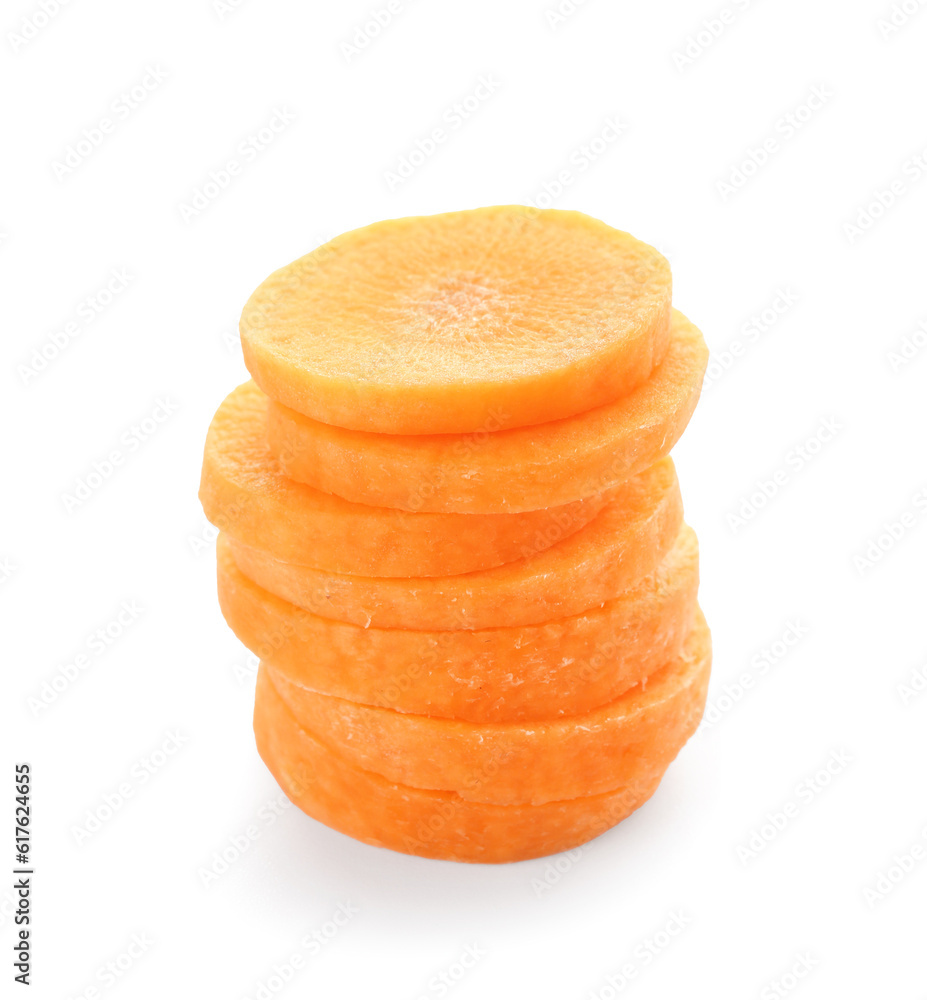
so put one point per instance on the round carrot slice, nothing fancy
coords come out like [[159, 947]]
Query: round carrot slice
[[245, 493], [515, 470], [625, 542], [416, 821], [520, 762], [449, 323], [564, 667]]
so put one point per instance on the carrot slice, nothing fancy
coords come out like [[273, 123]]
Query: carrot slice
[[429, 824], [564, 667], [519, 762], [514, 470], [245, 493], [451, 323], [623, 543]]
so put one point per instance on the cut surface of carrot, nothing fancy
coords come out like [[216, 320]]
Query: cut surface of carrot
[[625, 542], [516, 763], [511, 470], [416, 821], [245, 493], [535, 672], [450, 323]]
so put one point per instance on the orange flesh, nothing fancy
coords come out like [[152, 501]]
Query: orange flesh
[[451, 532], [515, 470], [564, 667], [416, 821], [516, 763], [441, 324], [245, 493], [625, 542]]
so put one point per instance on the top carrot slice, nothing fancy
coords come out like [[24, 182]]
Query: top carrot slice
[[478, 320]]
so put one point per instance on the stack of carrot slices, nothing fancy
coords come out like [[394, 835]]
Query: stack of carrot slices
[[451, 531]]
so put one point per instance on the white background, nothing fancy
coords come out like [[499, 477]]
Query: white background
[[847, 687]]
